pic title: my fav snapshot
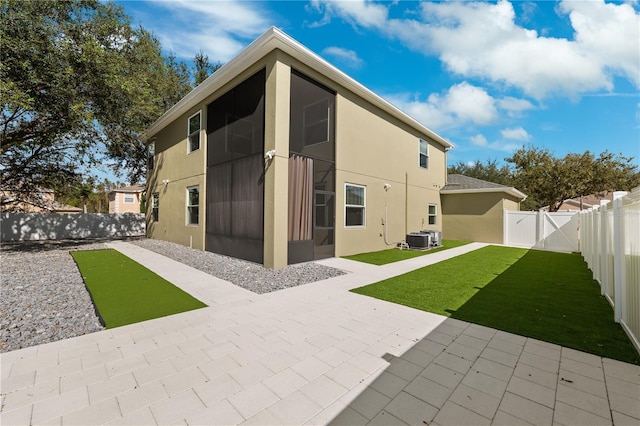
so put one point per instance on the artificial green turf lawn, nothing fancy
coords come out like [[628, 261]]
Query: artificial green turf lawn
[[544, 295], [394, 255], [124, 292]]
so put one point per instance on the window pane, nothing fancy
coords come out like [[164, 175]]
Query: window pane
[[432, 209], [151, 155], [423, 161], [155, 201], [432, 220], [354, 216], [423, 147], [355, 195], [193, 215], [194, 142], [194, 195], [194, 123]]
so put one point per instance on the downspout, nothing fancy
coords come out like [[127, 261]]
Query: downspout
[[406, 203]]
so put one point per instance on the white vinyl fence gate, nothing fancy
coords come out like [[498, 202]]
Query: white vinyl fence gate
[[557, 231]]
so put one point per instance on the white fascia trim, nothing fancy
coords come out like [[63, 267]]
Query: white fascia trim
[[511, 191], [273, 39]]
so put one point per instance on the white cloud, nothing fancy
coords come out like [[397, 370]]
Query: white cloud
[[358, 12], [346, 56], [514, 107], [482, 40], [461, 104], [481, 141], [220, 28], [516, 134]]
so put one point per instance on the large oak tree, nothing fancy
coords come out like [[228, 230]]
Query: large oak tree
[[79, 85], [548, 180]]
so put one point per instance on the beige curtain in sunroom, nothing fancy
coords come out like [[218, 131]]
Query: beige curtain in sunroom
[[300, 198]]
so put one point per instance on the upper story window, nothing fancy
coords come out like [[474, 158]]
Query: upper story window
[[354, 205], [432, 214], [193, 205], [424, 154], [151, 155], [194, 132]]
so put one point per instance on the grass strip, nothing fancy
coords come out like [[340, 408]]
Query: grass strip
[[394, 255], [124, 292], [544, 295]]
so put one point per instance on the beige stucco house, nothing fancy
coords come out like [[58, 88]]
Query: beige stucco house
[[279, 157], [473, 209], [126, 199]]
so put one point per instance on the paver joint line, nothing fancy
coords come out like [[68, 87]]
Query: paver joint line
[[336, 355]]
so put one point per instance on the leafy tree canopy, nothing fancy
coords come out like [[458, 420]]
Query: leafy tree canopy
[[548, 180], [203, 68], [489, 171], [79, 85]]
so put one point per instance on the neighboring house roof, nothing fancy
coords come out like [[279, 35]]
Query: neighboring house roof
[[460, 184], [130, 189], [588, 201], [271, 40]]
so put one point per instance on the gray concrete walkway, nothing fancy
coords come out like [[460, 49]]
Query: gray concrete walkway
[[313, 354]]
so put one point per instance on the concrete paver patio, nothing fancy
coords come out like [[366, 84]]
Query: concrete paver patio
[[313, 354]]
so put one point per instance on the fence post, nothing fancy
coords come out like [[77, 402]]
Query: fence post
[[505, 226], [539, 230], [603, 247], [619, 273]]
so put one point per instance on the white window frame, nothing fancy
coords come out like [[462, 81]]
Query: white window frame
[[363, 206], [191, 133], [423, 154], [189, 206], [131, 200], [155, 206], [434, 215], [151, 155]]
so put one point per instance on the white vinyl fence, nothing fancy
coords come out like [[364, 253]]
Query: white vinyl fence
[[556, 231], [63, 226], [610, 239]]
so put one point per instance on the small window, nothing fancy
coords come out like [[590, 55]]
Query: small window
[[424, 154], [316, 123], [129, 198], [193, 205], [151, 155], [433, 214], [194, 132], [155, 204], [354, 205]]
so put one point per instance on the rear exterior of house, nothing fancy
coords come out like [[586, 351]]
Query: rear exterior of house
[[126, 199], [280, 158]]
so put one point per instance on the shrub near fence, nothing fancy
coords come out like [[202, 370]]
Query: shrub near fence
[[610, 244], [63, 226]]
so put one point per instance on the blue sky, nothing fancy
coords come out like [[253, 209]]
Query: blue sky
[[488, 76]]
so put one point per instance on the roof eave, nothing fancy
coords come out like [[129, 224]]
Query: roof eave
[[511, 191], [276, 39]]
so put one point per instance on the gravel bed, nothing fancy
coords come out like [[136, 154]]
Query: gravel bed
[[44, 298], [245, 274]]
